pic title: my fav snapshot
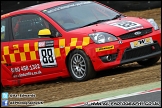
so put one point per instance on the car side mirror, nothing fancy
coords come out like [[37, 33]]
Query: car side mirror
[[44, 33]]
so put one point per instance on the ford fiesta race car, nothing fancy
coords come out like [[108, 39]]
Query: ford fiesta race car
[[72, 38]]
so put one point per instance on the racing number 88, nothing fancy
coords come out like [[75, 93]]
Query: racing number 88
[[47, 56]]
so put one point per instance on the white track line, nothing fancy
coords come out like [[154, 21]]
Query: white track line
[[115, 97]]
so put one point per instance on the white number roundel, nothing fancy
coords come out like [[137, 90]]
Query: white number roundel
[[127, 25], [47, 57]]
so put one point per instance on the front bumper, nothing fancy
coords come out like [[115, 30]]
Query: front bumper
[[123, 51]]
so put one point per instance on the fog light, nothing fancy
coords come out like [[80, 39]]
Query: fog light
[[108, 58], [153, 48]]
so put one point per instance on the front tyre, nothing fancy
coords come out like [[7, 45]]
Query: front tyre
[[149, 62], [80, 66]]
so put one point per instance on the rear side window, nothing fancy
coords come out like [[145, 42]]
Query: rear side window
[[4, 37], [27, 26]]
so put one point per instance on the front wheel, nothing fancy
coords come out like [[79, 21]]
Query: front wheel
[[149, 62], [80, 66]]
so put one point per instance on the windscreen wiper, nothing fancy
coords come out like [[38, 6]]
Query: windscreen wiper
[[95, 22], [117, 16]]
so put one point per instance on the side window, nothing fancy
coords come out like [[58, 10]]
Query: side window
[[27, 26], [3, 31]]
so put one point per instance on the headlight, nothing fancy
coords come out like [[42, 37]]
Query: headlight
[[153, 23], [101, 37]]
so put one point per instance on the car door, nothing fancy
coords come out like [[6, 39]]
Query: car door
[[31, 55]]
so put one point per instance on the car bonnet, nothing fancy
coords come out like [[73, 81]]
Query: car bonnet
[[116, 27]]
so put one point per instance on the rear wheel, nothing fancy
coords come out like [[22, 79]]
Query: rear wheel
[[149, 62], [80, 66]]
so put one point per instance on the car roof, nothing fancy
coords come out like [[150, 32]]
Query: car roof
[[38, 7]]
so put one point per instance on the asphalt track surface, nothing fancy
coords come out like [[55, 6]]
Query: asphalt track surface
[[147, 95]]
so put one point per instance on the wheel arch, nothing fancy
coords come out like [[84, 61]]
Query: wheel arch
[[68, 55]]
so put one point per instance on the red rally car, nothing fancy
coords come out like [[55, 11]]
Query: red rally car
[[72, 38]]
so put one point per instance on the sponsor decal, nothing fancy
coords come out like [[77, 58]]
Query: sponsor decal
[[105, 48], [67, 6], [141, 42]]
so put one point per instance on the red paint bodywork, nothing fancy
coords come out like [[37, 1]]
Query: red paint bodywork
[[61, 70]]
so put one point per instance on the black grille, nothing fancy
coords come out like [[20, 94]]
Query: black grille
[[132, 34], [141, 51]]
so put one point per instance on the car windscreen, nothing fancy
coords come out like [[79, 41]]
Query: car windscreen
[[80, 14]]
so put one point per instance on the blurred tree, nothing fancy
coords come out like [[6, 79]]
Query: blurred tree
[[121, 6]]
